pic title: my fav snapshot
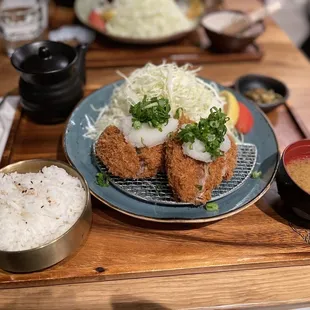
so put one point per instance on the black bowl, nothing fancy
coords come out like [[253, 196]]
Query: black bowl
[[293, 195], [223, 43], [250, 81]]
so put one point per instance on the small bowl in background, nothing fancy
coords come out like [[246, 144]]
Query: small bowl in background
[[292, 195], [251, 81], [213, 22], [53, 252]]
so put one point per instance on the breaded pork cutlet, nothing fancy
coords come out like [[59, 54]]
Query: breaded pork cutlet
[[230, 160], [124, 160], [185, 175], [192, 180]]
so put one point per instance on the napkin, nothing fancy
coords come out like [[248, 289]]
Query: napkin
[[7, 112]]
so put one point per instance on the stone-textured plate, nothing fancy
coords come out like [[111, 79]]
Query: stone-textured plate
[[79, 152], [83, 8]]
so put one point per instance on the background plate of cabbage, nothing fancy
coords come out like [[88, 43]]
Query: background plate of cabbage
[[141, 22]]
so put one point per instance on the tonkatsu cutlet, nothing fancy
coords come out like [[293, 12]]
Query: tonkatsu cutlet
[[135, 149], [124, 160], [191, 179]]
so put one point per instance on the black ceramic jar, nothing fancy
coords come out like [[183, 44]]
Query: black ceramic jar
[[52, 79]]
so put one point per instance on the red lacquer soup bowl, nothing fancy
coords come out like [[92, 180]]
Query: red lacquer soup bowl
[[291, 193]]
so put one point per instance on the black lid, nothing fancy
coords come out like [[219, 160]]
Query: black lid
[[44, 61], [43, 57]]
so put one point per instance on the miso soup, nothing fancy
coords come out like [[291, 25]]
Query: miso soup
[[299, 170]]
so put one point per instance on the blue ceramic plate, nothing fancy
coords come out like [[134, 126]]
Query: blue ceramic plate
[[79, 153]]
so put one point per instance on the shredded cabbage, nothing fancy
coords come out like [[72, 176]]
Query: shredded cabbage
[[179, 84], [147, 19]]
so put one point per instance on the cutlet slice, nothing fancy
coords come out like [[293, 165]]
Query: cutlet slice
[[152, 160], [186, 176], [230, 160], [124, 160], [193, 181], [119, 157]]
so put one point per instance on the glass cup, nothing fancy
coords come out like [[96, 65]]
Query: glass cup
[[22, 22]]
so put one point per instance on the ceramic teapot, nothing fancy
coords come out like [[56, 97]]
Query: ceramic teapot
[[52, 76]]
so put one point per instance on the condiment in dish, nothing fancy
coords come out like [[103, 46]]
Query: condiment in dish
[[263, 95], [250, 86]]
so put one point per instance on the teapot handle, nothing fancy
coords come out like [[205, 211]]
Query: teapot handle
[[81, 53]]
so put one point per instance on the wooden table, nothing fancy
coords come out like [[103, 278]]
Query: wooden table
[[271, 262]]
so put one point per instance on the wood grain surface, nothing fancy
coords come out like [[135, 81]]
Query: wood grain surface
[[244, 289], [259, 257], [107, 54], [259, 237]]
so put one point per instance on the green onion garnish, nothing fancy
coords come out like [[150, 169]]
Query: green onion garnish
[[170, 135], [136, 124], [256, 174], [154, 111], [210, 131], [178, 113], [102, 179], [212, 206]]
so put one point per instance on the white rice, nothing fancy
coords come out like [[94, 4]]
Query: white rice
[[36, 208]]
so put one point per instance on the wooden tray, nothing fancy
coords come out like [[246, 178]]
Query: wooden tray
[[105, 53], [119, 247]]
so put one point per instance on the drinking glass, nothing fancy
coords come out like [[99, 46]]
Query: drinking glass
[[22, 21]]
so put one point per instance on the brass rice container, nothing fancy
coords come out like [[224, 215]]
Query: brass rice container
[[53, 252]]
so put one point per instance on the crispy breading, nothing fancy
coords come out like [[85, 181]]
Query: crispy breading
[[124, 160], [183, 120], [184, 173], [119, 157], [151, 160], [191, 180], [215, 173], [230, 160]]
